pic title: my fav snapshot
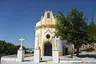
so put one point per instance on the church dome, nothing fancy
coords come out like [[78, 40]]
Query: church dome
[[38, 23]]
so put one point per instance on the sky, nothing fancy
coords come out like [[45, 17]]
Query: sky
[[19, 17]]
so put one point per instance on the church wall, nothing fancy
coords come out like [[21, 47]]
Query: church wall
[[46, 26], [45, 31], [43, 21], [70, 48], [60, 47], [36, 38], [54, 21], [42, 51]]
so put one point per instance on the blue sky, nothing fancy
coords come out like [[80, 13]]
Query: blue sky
[[18, 17]]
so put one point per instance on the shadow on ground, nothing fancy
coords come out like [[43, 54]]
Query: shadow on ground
[[43, 61], [26, 60], [87, 55]]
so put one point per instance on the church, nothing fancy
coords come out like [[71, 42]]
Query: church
[[45, 37]]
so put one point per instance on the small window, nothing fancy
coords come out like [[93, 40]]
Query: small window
[[48, 15], [47, 36]]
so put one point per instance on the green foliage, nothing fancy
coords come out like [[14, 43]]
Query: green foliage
[[7, 48], [63, 26], [91, 32], [79, 27], [72, 27]]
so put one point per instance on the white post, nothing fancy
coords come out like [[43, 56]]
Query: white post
[[37, 52], [36, 56], [20, 55], [55, 56], [21, 52], [55, 52]]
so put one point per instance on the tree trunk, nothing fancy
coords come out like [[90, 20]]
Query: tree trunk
[[77, 51]]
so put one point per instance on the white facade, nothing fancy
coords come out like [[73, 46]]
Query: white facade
[[44, 35]]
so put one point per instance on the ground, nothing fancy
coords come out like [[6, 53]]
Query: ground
[[85, 58]]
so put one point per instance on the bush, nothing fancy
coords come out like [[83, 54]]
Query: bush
[[7, 48]]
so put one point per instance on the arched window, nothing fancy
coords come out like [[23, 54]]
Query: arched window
[[48, 15]]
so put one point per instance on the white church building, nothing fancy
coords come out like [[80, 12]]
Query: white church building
[[45, 39]]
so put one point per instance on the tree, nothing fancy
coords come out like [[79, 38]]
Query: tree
[[7, 48], [92, 31], [72, 28]]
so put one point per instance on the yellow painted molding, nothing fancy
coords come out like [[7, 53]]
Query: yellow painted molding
[[40, 39], [48, 31], [45, 25], [60, 53], [73, 50]]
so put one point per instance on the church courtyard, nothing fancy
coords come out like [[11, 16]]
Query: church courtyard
[[91, 59]]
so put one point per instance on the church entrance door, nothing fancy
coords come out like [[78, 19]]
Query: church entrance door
[[48, 49]]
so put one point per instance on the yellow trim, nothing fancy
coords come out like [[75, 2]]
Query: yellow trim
[[45, 25], [41, 39], [60, 53], [73, 50], [49, 20], [48, 31]]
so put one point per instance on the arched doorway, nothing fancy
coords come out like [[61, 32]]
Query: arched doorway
[[48, 49]]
